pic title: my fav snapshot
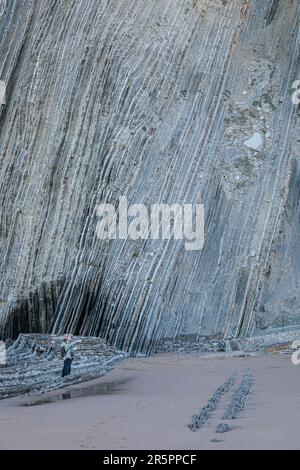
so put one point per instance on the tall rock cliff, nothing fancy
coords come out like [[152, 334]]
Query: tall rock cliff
[[160, 101]]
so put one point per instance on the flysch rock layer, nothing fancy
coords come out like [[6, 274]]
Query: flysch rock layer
[[33, 363], [177, 101]]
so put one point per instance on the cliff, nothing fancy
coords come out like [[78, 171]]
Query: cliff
[[159, 101]]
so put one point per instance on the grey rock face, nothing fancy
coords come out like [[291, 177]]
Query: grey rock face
[[154, 101]]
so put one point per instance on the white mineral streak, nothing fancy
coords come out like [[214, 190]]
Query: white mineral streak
[[255, 141], [2, 92], [146, 99]]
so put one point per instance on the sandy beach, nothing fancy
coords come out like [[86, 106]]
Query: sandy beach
[[148, 403]]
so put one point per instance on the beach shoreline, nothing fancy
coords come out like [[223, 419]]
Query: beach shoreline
[[153, 402]]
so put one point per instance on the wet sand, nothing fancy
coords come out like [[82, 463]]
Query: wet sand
[[148, 403]]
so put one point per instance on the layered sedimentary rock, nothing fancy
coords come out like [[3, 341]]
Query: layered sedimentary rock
[[175, 101], [34, 363]]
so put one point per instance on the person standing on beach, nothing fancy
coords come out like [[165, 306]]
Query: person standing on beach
[[67, 353]]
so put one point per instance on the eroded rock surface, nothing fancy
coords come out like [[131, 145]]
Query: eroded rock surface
[[33, 363], [157, 101]]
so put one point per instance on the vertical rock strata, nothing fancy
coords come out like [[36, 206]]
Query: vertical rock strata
[[160, 101]]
